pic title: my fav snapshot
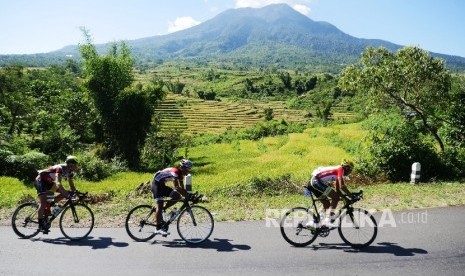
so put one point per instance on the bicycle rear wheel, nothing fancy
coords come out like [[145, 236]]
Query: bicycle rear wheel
[[357, 227], [76, 221], [24, 221], [195, 224], [293, 227], [137, 223]]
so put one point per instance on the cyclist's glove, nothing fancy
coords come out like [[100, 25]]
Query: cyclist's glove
[[70, 194], [355, 198]]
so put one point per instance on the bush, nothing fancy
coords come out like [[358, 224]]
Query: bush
[[94, 169], [23, 167], [3, 161], [160, 150], [453, 162], [395, 144]]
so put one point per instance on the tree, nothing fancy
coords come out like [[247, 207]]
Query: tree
[[411, 80], [62, 112], [286, 78], [125, 111], [454, 129], [15, 98]]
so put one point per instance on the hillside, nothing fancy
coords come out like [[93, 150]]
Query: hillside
[[275, 35], [196, 116]]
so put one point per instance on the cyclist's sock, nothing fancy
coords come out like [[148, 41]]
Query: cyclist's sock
[[41, 223], [332, 216]]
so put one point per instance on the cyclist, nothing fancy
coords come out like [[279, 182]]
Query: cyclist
[[48, 181], [160, 190], [320, 186]]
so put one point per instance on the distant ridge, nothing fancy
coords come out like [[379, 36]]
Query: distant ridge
[[274, 35]]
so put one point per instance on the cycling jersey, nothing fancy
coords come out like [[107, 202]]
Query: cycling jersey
[[45, 180], [327, 174], [48, 175], [168, 174], [159, 188]]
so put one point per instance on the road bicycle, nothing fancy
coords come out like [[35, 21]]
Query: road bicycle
[[76, 219], [194, 223], [357, 227]]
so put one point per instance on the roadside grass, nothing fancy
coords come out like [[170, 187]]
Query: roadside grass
[[244, 180]]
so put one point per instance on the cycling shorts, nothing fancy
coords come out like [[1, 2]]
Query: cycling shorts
[[160, 191], [320, 189], [44, 187]]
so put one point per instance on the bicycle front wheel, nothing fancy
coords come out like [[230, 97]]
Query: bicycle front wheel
[[293, 227], [137, 223], [76, 221], [195, 224], [25, 221], [357, 227]]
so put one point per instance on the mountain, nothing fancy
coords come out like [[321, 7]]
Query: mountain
[[273, 35]]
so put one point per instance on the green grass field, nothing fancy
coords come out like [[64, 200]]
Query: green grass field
[[224, 173]]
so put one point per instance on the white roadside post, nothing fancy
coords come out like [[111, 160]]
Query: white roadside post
[[415, 176], [188, 182]]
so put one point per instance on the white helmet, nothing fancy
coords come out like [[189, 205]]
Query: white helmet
[[71, 160]]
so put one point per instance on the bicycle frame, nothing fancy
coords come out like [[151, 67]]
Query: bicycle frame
[[347, 204], [194, 223], [356, 226], [69, 202], [76, 218], [185, 205]]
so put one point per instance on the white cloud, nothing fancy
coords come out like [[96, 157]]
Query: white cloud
[[182, 23], [302, 9], [256, 3], [298, 5]]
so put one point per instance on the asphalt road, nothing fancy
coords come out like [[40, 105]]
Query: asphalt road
[[417, 242]]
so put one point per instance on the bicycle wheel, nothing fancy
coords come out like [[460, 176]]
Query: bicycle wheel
[[293, 227], [76, 221], [195, 224], [137, 223], [357, 227], [24, 221]]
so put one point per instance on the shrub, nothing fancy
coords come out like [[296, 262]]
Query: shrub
[[160, 150], [395, 144], [3, 161], [94, 169], [24, 167]]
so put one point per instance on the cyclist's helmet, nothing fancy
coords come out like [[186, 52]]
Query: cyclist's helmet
[[71, 160], [185, 163], [347, 164]]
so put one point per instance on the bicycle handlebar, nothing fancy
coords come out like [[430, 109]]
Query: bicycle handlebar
[[194, 197], [78, 194]]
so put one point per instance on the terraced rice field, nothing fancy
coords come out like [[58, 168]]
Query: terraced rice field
[[196, 116]]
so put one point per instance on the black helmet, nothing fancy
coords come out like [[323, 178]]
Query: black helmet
[[185, 163]]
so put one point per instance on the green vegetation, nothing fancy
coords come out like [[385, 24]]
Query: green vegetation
[[254, 136], [251, 176]]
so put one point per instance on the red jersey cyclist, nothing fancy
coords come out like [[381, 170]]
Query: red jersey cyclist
[[48, 182], [160, 190], [320, 186]]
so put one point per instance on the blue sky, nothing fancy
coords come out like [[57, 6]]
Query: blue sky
[[38, 26]]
